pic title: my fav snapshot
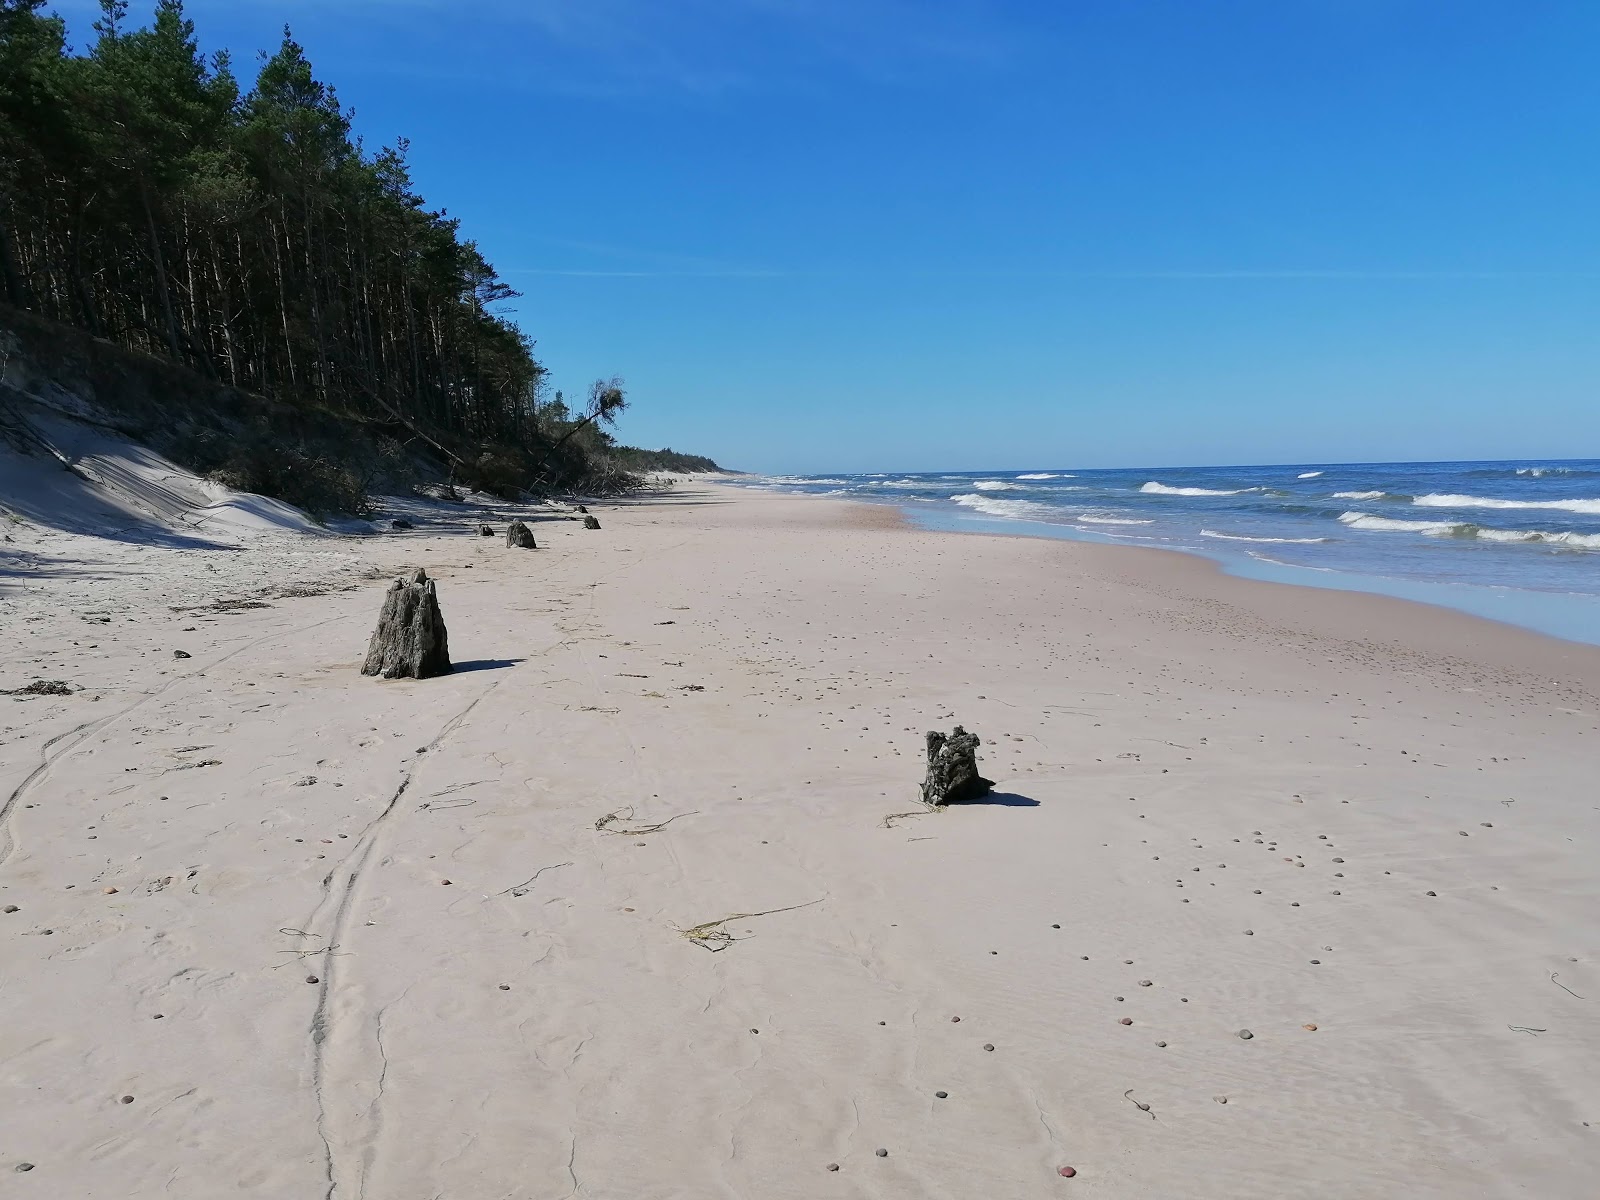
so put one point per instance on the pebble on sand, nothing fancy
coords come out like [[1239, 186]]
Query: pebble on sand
[[23, 1167], [833, 1166], [312, 979], [989, 1046], [1245, 1035], [1125, 1021], [11, 908], [1066, 1172], [1309, 1028], [941, 1095], [127, 1099], [110, 891], [881, 1152]]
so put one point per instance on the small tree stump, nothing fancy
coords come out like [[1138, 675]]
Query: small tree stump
[[518, 534], [485, 530], [591, 522], [410, 641], [581, 509], [953, 768]]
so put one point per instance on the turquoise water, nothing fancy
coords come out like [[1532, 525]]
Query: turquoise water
[[1515, 541]]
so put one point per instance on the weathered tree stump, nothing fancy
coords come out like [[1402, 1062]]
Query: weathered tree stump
[[591, 522], [953, 768], [410, 641], [485, 530], [519, 534], [401, 523], [581, 509]]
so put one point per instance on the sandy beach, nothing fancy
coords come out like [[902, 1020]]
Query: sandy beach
[[1281, 893]]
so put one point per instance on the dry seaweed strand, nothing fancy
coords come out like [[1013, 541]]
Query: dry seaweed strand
[[520, 889], [713, 937], [608, 823], [888, 821]]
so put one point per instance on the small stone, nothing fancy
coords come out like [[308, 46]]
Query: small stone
[[1433, 893], [110, 891], [1145, 983], [833, 1166], [1118, 999], [955, 1020], [1055, 927], [1066, 1172], [989, 1046], [11, 908], [1249, 933], [505, 987], [312, 979], [23, 1167], [1161, 1045], [1309, 1028], [755, 1031], [1220, 1099], [1125, 1021], [1245, 1035], [1316, 962], [127, 1100], [881, 1152], [942, 1095], [181, 654], [444, 883]]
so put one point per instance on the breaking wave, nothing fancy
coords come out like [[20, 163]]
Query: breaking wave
[[1308, 475], [1046, 475], [1575, 505], [995, 485], [1093, 520], [1466, 529], [1160, 489]]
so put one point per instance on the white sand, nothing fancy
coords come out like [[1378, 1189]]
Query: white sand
[[1182, 757]]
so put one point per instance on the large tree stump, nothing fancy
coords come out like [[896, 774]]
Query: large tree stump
[[953, 768], [410, 641], [591, 522], [518, 534]]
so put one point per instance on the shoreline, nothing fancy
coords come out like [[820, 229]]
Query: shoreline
[[377, 935], [1563, 616]]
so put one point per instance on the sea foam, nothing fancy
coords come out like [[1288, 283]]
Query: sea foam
[[995, 485], [1308, 475], [1046, 475], [1239, 537]]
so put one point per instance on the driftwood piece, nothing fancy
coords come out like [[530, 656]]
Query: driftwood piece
[[410, 640], [518, 534], [591, 522], [485, 530], [953, 768]]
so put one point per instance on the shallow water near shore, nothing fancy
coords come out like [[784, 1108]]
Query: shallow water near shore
[[1517, 542]]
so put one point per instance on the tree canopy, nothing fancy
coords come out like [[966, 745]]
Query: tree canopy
[[148, 199]]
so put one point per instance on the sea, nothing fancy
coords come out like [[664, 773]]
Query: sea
[[1514, 541]]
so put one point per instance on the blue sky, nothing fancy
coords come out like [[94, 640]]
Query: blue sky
[[971, 234]]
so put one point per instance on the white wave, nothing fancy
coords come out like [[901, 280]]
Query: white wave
[[1465, 529], [1359, 495], [1308, 475], [1161, 489], [1093, 520], [808, 481], [1046, 475], [995, 485], [1239, 537], [1022, 510], [1358, 520], [1580, 541], [1438, 500]]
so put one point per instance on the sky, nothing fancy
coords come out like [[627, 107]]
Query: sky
[[875, 235]]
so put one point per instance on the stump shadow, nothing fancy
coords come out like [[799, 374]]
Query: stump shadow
[[484, 664], [998, 799]]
